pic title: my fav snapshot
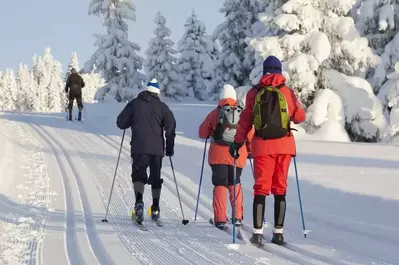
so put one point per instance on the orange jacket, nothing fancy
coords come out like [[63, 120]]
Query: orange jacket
[[260, 147], [219, 154]]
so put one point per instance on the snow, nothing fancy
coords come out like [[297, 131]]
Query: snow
[[327, 115], [366, 116], [56, 178]]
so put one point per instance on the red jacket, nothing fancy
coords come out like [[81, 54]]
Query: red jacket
[[260, 147], [219, 154]]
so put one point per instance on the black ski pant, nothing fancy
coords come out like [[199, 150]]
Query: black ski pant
[[72, 97], [223, 175], [139, 170]]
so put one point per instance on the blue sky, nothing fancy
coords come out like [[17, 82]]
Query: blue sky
[[64, 26]]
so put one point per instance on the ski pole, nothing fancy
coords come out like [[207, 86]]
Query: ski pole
[[305, 232], [113, 182], [184, 221], [234, 200], [200, 182], [252, 166]]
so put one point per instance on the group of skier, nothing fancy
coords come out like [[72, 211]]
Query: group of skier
[[260, 130]]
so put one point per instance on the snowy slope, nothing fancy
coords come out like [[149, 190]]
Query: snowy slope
[[56, 176]]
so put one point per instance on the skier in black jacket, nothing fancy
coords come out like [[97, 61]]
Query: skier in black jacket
[[74, 85], [148, 117]]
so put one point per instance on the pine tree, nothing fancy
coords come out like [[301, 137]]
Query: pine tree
[[9, 95], [378, 21], [160, 63], [47, 72], [73, 63], [116, 57], [2, 91], [196, 64], [236, 61], [27, 87], [322, 50], [93, 84]]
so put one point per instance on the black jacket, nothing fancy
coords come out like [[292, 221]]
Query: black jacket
[[74, 79], [148, 118]]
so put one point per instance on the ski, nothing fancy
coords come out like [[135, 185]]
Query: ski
[[229, 229], [139, 225], [158, 223]]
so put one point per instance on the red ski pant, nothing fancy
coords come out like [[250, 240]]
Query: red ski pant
[[270, 174]]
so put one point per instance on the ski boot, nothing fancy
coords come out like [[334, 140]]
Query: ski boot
[[155, 213], [257, 240], [238, 222], [278, 239], [220, 225], [139, 212], [80, 115], [70, 115]]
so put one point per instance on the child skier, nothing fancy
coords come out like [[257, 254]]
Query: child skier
[[220, 124], [270, 106]]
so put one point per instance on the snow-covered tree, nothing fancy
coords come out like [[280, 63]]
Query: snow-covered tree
[[377, 20], [73, 63], [47, 73], [392, 103], [9, 95], [235, 61], [196, 66], [388, 59], [27, 90], [116, 57], [326, 117], [160, 62], [93, 83], [311, 46], [364, 118]]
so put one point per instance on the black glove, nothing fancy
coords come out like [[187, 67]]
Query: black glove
[[169, 152], [233, 150]]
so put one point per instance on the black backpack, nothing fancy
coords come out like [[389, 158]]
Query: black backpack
[[271, 117]]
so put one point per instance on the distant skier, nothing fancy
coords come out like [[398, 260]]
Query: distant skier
[[148, 117], [270, 106], [221, 124], [74, 85]]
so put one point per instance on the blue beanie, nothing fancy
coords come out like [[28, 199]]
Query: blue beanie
[[272, 65], [153, 86]]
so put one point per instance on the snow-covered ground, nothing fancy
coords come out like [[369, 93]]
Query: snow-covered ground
[[56, 177]]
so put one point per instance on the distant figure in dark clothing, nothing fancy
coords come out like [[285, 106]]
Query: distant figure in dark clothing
[[148, 117], [74, 86]]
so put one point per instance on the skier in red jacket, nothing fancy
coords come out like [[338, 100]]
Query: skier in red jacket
[[270, 106]]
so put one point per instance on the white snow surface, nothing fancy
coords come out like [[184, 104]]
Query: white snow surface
[[56, 178]]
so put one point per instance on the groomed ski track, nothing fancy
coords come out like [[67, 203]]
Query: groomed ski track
[[83, 164], [76, 161]]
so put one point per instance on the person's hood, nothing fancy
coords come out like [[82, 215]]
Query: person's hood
[[148, 96], [272, 80]]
